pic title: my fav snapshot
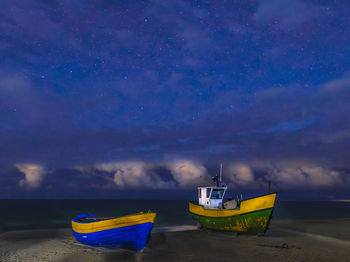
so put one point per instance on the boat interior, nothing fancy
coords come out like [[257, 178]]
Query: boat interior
[[92, 219]]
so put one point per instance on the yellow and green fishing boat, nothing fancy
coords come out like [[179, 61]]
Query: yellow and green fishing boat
[[250, 215]]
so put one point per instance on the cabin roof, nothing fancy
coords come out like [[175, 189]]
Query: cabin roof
[[217, 187]]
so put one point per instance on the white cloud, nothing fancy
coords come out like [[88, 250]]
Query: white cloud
[[239, 175], [138, 174], [285, 175], [34, 175], [132, 174], [186, 173], [305, 177], [252, 175]]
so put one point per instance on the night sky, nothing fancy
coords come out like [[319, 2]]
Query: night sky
[[100, 98]]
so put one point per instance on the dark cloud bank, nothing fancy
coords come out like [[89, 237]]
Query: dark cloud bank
[[99, 98]]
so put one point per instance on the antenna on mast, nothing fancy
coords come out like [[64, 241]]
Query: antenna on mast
[[220, 172]]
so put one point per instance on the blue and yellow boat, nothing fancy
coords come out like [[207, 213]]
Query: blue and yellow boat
[[129, 232]]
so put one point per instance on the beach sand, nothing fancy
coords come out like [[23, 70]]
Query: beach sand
[[321, 240]]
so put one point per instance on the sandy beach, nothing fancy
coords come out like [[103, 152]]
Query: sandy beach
[[321, 240]]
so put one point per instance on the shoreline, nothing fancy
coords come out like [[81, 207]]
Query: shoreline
[[286, 240]]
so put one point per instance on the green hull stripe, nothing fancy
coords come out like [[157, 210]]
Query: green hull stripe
[[253, 222]]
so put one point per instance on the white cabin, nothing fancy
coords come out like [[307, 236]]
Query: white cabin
[[211, 197]]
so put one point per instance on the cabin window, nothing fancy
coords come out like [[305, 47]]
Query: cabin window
[[208, 192], [200, 193], [217, 194]]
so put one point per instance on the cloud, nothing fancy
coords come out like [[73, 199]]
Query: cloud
[[220, 108], [130, 174], [338, 86], [12, 83], [336, 136], [186, 172], [287, 126], [287, 14], [113, 178], [34, 175], [137, 174], [298, 177], [285, 175], [20, 100], [240, 175]]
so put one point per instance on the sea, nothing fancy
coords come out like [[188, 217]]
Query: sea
[[20, 214]]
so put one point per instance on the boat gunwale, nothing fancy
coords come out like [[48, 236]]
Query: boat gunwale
[[259, 196], [131, 228], [119, 222], [149, 214], [232, 211]]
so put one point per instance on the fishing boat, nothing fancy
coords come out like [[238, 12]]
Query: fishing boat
[[129, 232], [249, 215]]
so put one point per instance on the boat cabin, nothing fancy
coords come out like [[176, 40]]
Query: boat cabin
[[211, 197]]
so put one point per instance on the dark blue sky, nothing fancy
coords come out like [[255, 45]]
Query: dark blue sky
[[115, 95]]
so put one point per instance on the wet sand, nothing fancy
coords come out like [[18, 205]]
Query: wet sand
[[321, 240]]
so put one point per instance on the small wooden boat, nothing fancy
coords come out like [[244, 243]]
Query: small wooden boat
[[250, 215], [129, 232]]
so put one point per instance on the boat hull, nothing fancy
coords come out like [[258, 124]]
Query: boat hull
[[130, 232], [254, 223], [131, 237], [252, 217]]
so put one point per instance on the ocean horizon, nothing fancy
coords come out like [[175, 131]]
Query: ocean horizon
[[20, 214]]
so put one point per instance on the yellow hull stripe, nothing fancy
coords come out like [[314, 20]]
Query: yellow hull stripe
[[125, 221], [246, 206]]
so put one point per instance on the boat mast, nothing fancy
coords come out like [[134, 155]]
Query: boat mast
[[220, 179]]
